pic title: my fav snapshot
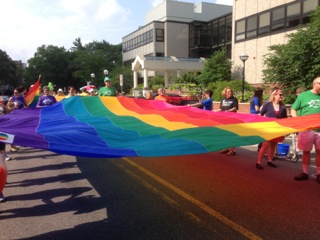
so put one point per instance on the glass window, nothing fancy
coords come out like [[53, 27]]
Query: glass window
[[264, 23], [309, 6], [222, 31], [278, 19], [215, 34], [240, 30], [159, 35], [293, 15], [252, 26]]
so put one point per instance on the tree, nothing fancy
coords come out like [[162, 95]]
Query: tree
[[217, 68], [296, 63], [95, 57], [8, 70], [54, 65]]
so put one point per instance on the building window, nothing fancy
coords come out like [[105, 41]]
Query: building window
[[159, 35], [277, 18], [252, 26], [264, 23], [293, 15], [307, 7], [240, 30]]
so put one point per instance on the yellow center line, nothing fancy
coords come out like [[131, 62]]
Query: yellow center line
[[196, 202]]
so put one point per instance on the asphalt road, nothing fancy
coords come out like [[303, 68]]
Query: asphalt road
[[209, 196]]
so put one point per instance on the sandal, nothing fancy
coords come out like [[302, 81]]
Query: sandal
[[224, 151], [231, 153]]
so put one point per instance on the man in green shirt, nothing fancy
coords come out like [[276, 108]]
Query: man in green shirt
[[108, 90], [308, 103]]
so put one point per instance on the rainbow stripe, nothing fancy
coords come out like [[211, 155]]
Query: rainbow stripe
[[3, 137], [33, 93], [121, 126]]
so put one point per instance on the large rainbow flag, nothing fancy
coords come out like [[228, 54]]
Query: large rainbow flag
[[109, 127]]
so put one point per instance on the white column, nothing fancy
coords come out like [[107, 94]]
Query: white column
[[166, 79], [135, 79], [145, 78]]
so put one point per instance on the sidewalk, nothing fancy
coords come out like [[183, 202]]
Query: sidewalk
[[47, 197]]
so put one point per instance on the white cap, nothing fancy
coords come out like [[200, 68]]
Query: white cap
[[60, 90]]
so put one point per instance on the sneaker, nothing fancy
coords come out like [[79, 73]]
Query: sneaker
[[302, 176], [271, 164], [13, 149], [6, 158], [318, 178], [2, 198], [258, 166]]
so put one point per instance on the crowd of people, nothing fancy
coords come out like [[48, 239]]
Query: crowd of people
[[307, 102]]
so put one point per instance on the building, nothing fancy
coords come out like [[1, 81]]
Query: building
[[179, 30], [260, 24], [186, 30]]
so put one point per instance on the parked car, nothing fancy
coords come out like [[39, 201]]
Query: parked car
[[175, 99]]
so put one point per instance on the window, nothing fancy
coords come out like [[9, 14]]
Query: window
[[252, 26], [293, 15], [307, 7], [222, 31], [264, 23], [240, 30], [159, 35], [277, 19]]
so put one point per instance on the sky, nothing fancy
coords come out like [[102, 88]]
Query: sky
[[26, 25]]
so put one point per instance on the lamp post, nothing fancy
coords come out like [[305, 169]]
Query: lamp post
[[92, 75], [243, 57]]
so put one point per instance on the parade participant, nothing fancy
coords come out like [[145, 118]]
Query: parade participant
[[161, 96], [275, 108], [60, 95], [108, 90], [307, 103], [229, 103], [46, 99], [206, 103], [17, 100]]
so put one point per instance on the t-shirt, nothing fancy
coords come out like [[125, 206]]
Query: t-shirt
[[207, 104], [228, 103], [46, 101], [105, 91], [255, 102], [18, 101], [162, 98], [307, 103]]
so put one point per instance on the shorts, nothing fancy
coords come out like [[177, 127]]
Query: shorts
[[307, 139]]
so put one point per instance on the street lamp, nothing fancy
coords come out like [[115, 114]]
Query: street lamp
[[105, 72], [243, 57], [92, 75]]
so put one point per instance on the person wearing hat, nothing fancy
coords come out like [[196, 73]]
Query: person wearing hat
[[108, 90], [92, 92], [60, 95]]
